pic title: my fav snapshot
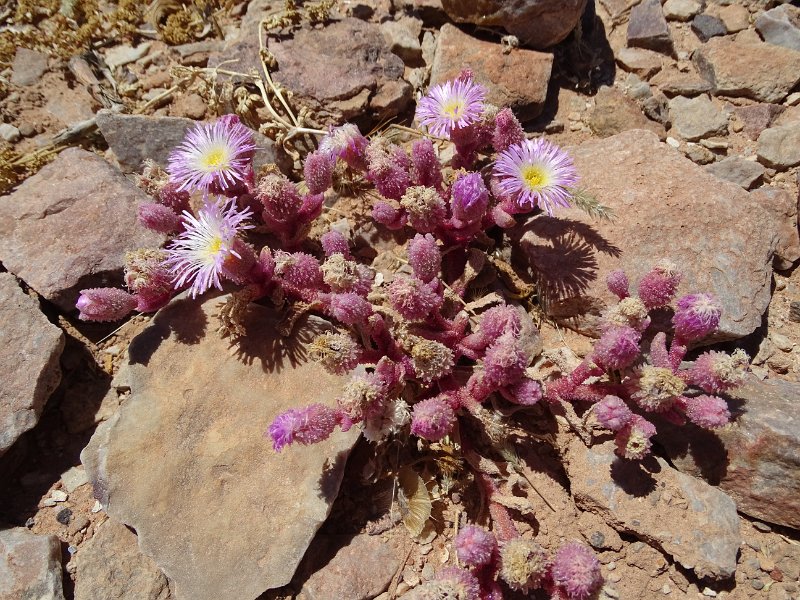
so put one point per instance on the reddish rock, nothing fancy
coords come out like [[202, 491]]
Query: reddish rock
[[30, 566], [30, 347], [518, 79], [28, 67], [648, 28], [537, 23], [68, 227], [688, 519], [673, 82], [430, 11], [783, 208], [614, 113], [756, 459], [757, 117], [185, 461], [644, 63], [738, 69], [665, 206]]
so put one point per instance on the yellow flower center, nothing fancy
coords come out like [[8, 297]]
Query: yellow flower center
[[534, 177], [214, 158], [214, 246], [453, 109]]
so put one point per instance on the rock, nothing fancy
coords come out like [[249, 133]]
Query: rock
[[30, 566], [648, 28], [125, 54], [783, 208], [28, 67], [697, 118], [355, 568], [403, 38], [780, 26], [698, 154], [665, 207], [430, 11], [538, 24], [735, 17], [185, 463], [30, 347], [67, 227], [673, 82], [688, 519], [518, 79], [756, 459], [737, 170], [191, 106], [73, 478], [681, 10], [70, 105], [110, 566], [738, 69], [614, 113], [656, 107], [196, 54], [644, 63], [779, 147], [757, 117], [706, 27], [9, 133], [135, 138]]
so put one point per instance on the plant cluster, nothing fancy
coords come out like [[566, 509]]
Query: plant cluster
[[424, 366]]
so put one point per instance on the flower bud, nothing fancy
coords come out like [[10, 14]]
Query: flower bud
[[105, 304]]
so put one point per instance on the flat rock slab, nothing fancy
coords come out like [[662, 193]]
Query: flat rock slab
[[648, 27], [737, 69], [68, 227], [737, 170], [537, 23], [30, 347], [780, 26], [110, 566], [614, 112], [688, 519], [779, 147], [517, 79], [30, 566], [756, 459], [665, 206], [696, 118], [185, 462]]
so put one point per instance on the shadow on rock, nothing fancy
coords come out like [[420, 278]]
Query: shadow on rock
[[183, 318], [634, 477]]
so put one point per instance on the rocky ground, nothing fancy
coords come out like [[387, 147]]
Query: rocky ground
[[683, 117]]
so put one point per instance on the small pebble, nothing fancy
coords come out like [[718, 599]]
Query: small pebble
[[9, 133], [781, 341], [762, 526], [428, 572], [424, 549], [411, 578], [614, 577], [59, 496], [776, 575], [794, 311], [709, 592], [97, 507], [72, 549], [71, 567], [27, 129], [609, 592], [673, 142], [665, 589], [30, 522], [780, 283], [64, 516], [756, 584], [611, 566]]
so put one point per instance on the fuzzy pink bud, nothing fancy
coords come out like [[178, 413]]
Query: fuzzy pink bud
[[307, 425], [617, 348], [612, 413], [158, 217], [525, 392], [432, 419], [280, 199], [105, 304], [633, 440], [388, 168], [709, 412], [657, 288], [334, 242], [349, 308], [148, 278], [424, 257], [425, 207], [300, 274], [505, 361], [388, 215], [413, 298], [171, 196], [696, 317], [716, 372], [346, 142], [507, 130], [617, 282], [318, 171], [475, 546], [426, 169], [470, 198], [494, 322], [576, 570]]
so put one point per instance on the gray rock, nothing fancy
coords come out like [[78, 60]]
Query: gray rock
[[779, 147], [688, 519], [30, 347], [68, 227], [518, 80], [9, 133], [28, 67], [673, 82], [783, 208], [697, 118], [681, 10], [738, 170], [648, 28], [110, 566], [698, 154], [665, 207], [430, 11], [780, 26], [403, 38], [356, 568], [185, 462], [124, 54], [758, 71], [644, 63], [706, 27], [756, 459], [30, 566], [538, 24]]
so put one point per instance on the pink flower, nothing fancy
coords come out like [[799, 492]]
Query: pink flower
[[505, 361], [475, 546], [536, 173], [426, 169], [708, 411], [347, 143], [716, 372], [105, 304], [433, 418], [451, 105], [617, 282], [424, 257], [334, 242], [696, 317], [612, 413], [308, 425], [216, 154], [198, 255], [577, 571]]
